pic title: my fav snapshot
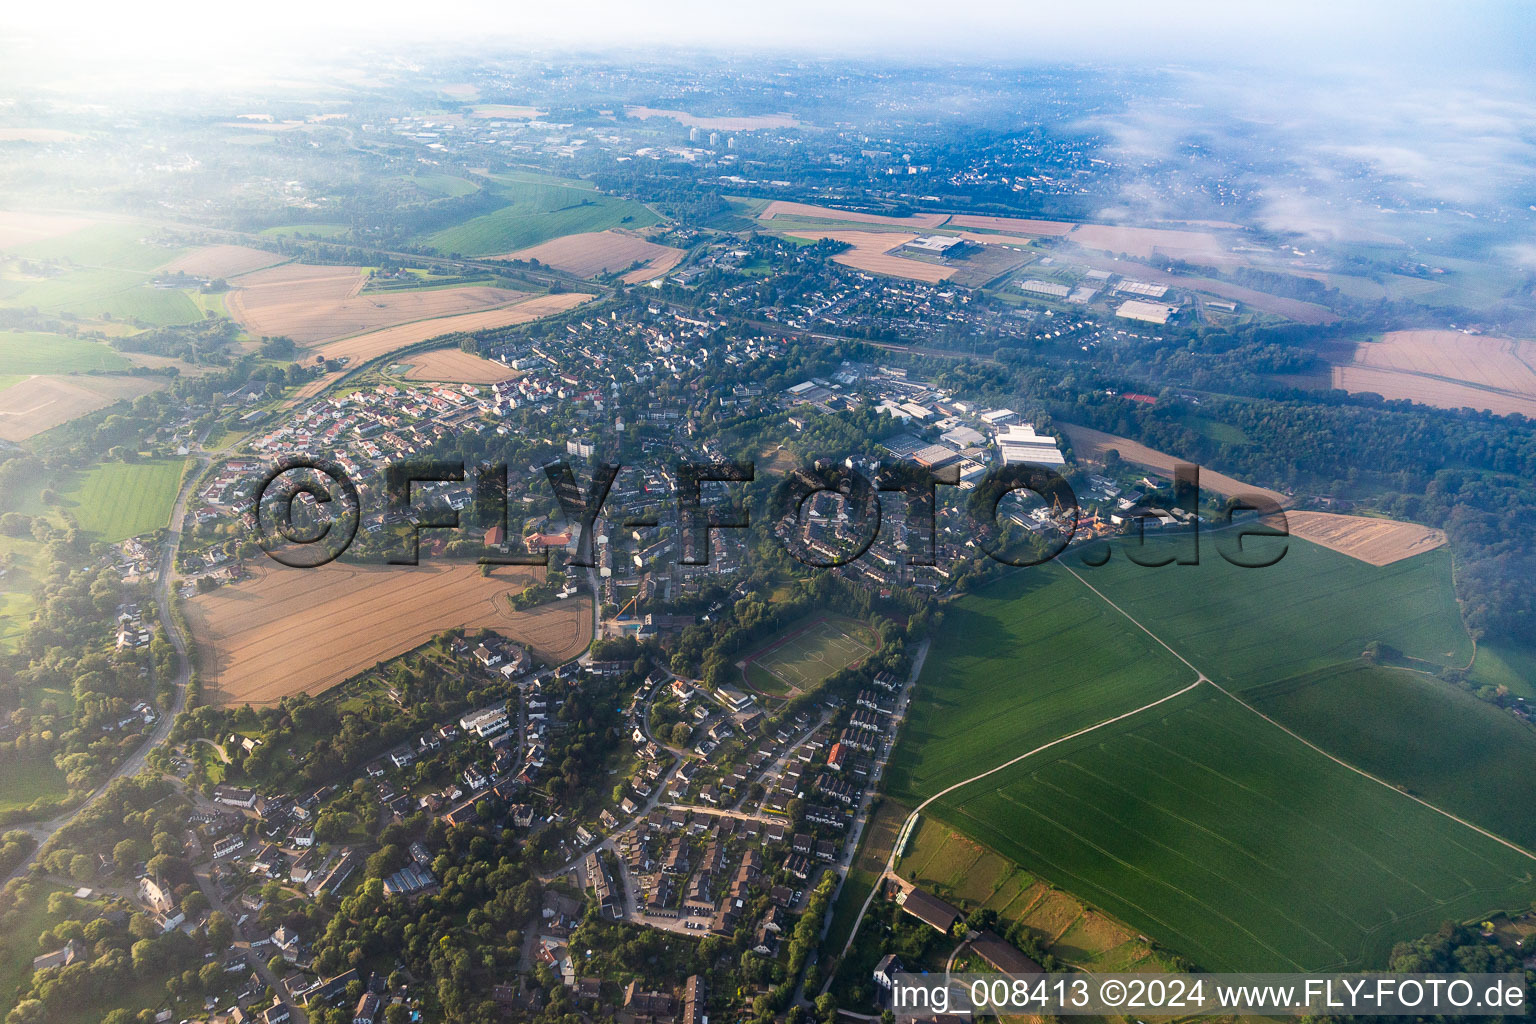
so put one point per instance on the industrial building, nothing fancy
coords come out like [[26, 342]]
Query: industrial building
[[1019, 444]]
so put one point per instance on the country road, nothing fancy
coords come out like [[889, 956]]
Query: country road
[[164, 582]]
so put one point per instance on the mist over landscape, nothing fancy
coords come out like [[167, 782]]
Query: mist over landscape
[[657, 512]]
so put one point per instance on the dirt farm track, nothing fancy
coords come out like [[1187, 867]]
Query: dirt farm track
[[291, 631]]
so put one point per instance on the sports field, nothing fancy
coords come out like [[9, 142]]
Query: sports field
[[808, 656], [118, 500], [1197, 820], [538, 210]]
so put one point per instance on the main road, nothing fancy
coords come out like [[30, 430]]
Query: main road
[[165, 580]]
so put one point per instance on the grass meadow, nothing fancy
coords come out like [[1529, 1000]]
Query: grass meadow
[[117, 500], [29, 352], [536, 211], [103, 270]]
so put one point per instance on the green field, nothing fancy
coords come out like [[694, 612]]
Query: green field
[[536, 211], [808, 656], [1197, 821], [1019, 663], [19, 557], [117, 500], [1219, 835], [27, 352], [1249, 627], [23, 784], [1475, 759], [443, 184], [1508, 665], [118, 246], [102, 270]]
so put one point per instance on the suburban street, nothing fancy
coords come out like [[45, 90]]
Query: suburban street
[[165, 580]]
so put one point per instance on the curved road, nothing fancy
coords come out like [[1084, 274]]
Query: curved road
[[165, 579]]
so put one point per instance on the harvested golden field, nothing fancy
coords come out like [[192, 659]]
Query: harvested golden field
[[455, 366], [872, 252], [19, 228], [745, 123], [1145, 243], [1376, 541], [42, 402], [1017, 225], [292, 631], [222, 261], [1092, 444], [363, 347], [600, 252], [780, 208], [312, 304], [1446, 369]]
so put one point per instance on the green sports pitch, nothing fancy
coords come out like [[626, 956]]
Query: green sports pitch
[[804, 659]]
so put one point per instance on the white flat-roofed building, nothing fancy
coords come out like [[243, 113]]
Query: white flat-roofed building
[[997, 417], [486, 722], [1146, 312], [962, 437], [937, 244], [1150, 291], [1020, 445], [1049, 289]]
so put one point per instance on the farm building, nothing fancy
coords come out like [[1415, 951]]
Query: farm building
[[1002, 956], [929, 909]]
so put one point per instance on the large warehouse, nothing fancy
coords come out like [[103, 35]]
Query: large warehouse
[[1020, 444]]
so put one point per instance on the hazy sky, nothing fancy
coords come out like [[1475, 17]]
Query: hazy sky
[[1282, 33]]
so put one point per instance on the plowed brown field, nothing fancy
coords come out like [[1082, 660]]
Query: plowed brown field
[[781, 208], [222, 261]]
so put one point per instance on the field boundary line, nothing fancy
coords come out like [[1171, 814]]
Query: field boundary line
[[1302, 739], [890, 861], [1374, 778]]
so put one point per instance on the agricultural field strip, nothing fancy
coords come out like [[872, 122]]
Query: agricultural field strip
[[890, 862], [1201, 678], [1336, 760]]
